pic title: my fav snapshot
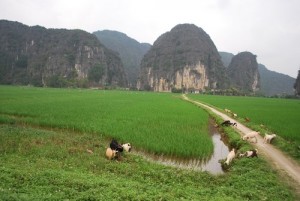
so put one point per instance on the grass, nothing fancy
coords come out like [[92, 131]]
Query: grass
[[39, 164], [158, 123]]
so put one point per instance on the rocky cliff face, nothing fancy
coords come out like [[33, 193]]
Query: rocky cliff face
[[55, 57], [243, 72], [297, 84], [183, 59]]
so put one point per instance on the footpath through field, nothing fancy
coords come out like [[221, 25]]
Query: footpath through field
[[278, 159]]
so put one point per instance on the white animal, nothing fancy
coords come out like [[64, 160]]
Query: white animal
[[251, 135], [89, 151], [127, 147], [252, 153], [110, 154], [230, 156], [268, 138], [228, 111]]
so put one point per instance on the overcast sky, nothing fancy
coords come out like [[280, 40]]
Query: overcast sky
[[269, 29]]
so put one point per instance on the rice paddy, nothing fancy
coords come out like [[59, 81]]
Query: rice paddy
[[45, 134], [154, 122]]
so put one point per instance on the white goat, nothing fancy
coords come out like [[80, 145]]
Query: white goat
[[230, 156], [251, 135], [127, 147], [268, 138]]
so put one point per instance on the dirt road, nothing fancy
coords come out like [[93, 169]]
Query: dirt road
[[280, 161]]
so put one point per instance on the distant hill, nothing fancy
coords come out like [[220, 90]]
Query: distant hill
[[226, 58], [271, 82], [130, 51], [184, 58], [56, 57]]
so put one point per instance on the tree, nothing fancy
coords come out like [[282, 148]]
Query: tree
[[95, 73], [297, 84]]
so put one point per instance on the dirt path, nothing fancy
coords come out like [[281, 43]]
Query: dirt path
[[286, 165]]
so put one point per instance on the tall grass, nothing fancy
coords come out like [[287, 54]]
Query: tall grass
[[156, 122]]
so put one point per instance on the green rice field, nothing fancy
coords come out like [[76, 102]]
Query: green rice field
[[45, 134], [158, 123]]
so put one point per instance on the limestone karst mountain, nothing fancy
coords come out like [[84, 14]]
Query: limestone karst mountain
[[56, 57], [243, 72], [183, 59], [271, 82]]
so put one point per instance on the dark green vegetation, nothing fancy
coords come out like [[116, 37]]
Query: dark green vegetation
[[297, 84], [268, 115]]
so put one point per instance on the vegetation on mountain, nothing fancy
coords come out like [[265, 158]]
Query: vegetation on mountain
[[297, 84], [54, 57]]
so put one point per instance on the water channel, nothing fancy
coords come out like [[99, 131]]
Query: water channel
[[211, 165]]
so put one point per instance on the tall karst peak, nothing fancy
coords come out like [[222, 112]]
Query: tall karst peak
[[184, 58], [243, 72]]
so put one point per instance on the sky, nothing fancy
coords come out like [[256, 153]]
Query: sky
[[269, 29]]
